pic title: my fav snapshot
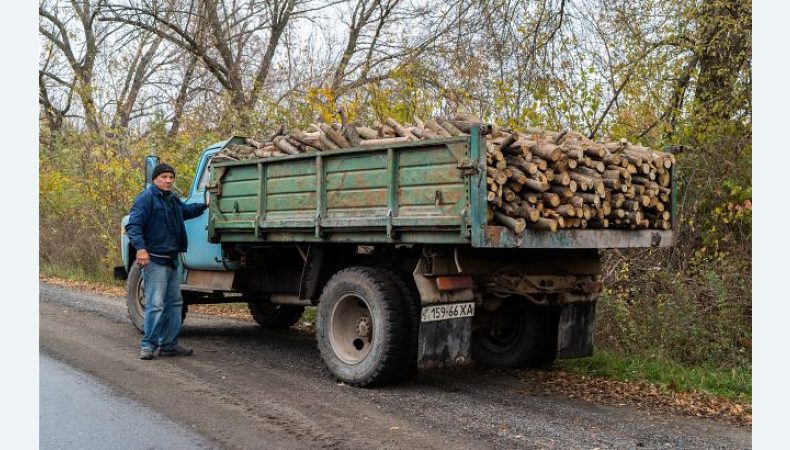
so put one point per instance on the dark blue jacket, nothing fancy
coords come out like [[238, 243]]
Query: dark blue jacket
[[156, 222]]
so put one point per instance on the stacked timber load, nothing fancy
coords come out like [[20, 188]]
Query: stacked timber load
[[536, 179], [551, 180], [324, 136]]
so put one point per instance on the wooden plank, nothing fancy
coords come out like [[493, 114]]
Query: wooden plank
[[235, 205], [368, 178], [291, 201], [427, 175], [299, 183], [288, 169], [241, 173], [426, 195], [430, 156], [351, 163], [356, 198], [238, 188]]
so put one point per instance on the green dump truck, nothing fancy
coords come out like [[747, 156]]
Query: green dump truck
[[393, 246]]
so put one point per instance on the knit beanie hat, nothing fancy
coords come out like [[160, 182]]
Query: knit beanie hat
[[162, 168]]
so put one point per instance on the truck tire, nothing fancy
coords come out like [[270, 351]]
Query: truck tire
[[269, 315], [411, 296], [518, 335], [135, 299], [361, 329]]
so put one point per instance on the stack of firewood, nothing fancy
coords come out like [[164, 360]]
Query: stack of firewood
[[324, 136], [549, 180], [536, 179]]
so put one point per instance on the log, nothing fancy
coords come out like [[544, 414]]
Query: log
[[595, 151], [517, 175], [499, 176], [551, 199], [252, 142], [383, 141], [351, 134], [525, 166], [541, 163], [450, 128], [434, 126], [544, 224], [566, 210], [516, 225], [549, 152], [591, 199], [334, 136], [573, 152], [527, 212], [311, 139], [367, 133], [282, 144], [399, 129], [508, 194], [562, 191]]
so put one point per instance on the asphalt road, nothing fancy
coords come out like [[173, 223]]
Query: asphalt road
[[77, 411], [246, 387]]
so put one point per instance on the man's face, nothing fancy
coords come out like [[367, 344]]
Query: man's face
[[164, 181]]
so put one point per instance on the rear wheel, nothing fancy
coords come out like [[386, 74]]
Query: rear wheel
[[516, 335], [411, 297], [269, 315], [361, 329]]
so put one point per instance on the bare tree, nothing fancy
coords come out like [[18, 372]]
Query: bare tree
[[60, 26], [236, 41], [54, 110]]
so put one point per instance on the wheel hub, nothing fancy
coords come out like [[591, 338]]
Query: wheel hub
[[363, 327], [351, 329]]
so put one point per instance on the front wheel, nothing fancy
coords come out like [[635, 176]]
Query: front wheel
[[135, 298], [269, 315], [361, 330]]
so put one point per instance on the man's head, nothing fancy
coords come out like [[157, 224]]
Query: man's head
[[163, 177]]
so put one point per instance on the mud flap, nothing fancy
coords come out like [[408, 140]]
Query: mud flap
[[445, 343], [575, 331]]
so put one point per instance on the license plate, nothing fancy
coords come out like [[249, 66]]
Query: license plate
[[449, 311]]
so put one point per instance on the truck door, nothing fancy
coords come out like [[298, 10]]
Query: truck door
[[201, 254]]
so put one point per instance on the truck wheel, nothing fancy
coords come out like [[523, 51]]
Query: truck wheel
[[361, 327], [269, 315], [135, 298], [411, 296], [516, 335]]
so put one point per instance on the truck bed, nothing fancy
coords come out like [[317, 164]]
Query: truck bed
[[429, 192]]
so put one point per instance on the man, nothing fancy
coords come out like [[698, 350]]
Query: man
[[156, 230]]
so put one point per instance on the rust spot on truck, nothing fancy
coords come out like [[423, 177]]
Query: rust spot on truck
[[493, 235]]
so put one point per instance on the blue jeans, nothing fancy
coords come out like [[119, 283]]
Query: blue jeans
[[163, 305]]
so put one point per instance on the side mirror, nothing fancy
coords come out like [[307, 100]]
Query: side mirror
[[151, 161]]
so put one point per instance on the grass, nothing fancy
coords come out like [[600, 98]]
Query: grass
[[76, 273], [734, 384]]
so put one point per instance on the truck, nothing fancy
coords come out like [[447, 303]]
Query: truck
[[391, 245]]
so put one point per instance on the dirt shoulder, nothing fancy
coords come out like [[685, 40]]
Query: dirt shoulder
[[644, 396]]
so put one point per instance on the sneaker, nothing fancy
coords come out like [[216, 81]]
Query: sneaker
[[176, 351], [146, 353]]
